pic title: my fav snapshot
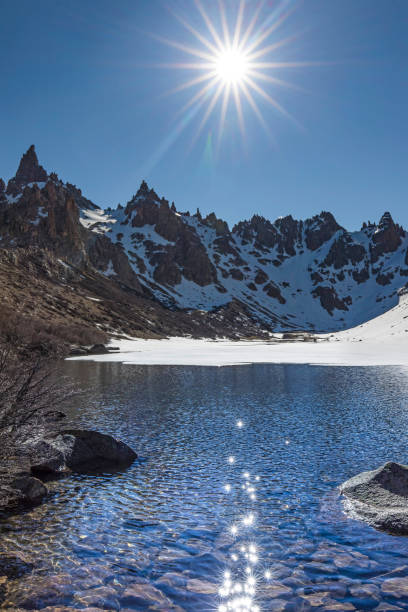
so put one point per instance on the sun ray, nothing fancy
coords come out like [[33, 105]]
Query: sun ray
[[259, 39], [205, 77], [273, 47], [185, 48], [197, 34], [225, 101], [186, 65], [209, 24], [202, 92], [251, 25], [306, 64], [254, 106], [276, 18], [238, 106], [275, 81], [225, 29], [238, 25], [209, 110], [271, 100]]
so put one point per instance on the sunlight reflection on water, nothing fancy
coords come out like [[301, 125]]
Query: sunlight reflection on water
[[238, 589], [165, 532]]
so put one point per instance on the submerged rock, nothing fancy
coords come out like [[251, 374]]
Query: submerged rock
[[145, 594], [380, 497], [17, 484], [14, 566], [31, 489]]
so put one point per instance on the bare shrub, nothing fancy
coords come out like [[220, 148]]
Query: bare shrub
[[29, 395], [22, 331]]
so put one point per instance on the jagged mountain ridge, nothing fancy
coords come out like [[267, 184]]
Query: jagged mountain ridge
[[288, 274]]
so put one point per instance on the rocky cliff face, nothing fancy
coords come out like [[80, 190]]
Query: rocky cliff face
[[286, 274]]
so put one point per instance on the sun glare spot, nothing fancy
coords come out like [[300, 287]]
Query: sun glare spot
[[231, 66]]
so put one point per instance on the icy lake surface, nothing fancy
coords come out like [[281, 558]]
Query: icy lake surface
[[190, 526]]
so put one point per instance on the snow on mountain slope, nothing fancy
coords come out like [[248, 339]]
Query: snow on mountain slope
[[289, 274], [390, 327]]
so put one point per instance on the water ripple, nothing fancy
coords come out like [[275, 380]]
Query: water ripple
[[186, 528]]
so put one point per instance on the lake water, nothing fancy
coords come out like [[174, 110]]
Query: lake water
[[166, 534]]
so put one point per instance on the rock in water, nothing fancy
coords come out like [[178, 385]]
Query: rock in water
[[79, 450], [96, 449], [380, 497], [31, 489]]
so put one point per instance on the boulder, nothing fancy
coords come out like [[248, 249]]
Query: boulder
[[380, 497], [78, 450], [31, 490], [98, 349], [49, 455], [92, 447]]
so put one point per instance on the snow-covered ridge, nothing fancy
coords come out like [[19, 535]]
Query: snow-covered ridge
[[291, 274], [287, 274]]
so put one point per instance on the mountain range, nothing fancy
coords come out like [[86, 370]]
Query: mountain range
[[147, 269]]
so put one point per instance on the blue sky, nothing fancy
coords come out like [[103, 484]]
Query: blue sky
[[79, 79]]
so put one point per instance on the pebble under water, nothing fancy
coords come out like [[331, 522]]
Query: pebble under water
[[233, 502]]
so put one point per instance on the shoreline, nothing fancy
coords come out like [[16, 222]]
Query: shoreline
[[218, 353], [382, 341]]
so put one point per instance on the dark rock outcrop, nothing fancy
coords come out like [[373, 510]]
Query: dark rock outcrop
[[29, 171], [343, 251], [31, 489], [387, 238], [329, 299], [220, 226], [94, 449], [380, 497], [320, 229], [98, 349], [78, 450], [18, 486]]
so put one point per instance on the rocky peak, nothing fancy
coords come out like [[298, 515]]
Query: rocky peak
[[220, 226], [2, 186], [387, 237], [386, 221], [143, 189], [319, 229], [290, 233], [144, 196], [29, 171], [257, 229]]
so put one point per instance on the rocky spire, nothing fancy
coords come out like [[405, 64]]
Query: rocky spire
[[143, 189], [386, 221], [387, 238], [29, 171]]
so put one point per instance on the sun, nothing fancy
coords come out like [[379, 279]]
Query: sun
[[231, 66], [236, 60]]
